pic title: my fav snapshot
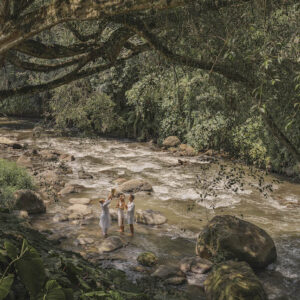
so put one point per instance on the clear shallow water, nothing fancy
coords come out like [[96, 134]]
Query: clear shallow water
[[174, 188]]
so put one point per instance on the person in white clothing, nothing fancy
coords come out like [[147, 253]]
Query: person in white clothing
[[121, 207], [130, 213], [105, 215]]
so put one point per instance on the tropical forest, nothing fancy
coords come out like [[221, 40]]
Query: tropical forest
[[149, 150]]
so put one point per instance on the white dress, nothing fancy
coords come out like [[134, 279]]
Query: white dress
[[130, 212], [105, 216], [121, 216]]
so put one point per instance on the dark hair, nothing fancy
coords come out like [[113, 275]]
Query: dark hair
[[132, 196]]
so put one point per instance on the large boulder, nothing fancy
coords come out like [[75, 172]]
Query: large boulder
[[30, 201], [135, 185], [171, 141], [150, 217], [227, 237], [187, 150], [233, 280], [147, 259]]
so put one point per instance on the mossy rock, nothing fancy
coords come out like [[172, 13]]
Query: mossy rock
[[233, 280], [147, 259], [227, 237]]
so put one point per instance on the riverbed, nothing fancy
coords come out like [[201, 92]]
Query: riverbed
[[174, 190]]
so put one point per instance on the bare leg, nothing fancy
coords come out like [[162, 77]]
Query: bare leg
[[131, 229]]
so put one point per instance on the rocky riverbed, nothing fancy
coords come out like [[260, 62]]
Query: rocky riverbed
[[72, 173]]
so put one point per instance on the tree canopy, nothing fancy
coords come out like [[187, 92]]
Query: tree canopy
[[253, 45]]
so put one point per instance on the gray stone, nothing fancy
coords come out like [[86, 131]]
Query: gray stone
[[195, 264], [135, 185], [110, 244], [150, 217]]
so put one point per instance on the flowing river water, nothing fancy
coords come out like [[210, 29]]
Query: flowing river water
[[173, 190]]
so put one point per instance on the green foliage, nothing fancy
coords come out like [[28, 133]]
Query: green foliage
[[5, 285], [12, 178], [31, 270], [88, 111], [250, 144]]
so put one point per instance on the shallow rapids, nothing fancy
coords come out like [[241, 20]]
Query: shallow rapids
[[174, 187]]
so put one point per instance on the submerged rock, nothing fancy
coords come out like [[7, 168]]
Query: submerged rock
[[30, 201], [147, 259], [110, 244], [171, 141], [227, 237], [195, 265], [150, 217], [60, 218], [84, 175], [66, 157], [170, 274], [233, 280], [49, 155], [135, 185], [70, 189]]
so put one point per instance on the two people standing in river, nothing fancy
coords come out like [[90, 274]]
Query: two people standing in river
[[105, 218]]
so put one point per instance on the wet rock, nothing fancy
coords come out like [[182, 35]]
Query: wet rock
[[37, 131], [110, 244], [30, 201], [119, 181], [49, 155], [24, 161], [6, 141], [167, 271], [70, 189], [23, 214], [80, 201], [82, 240], [173, 149], [135, 185], [147, 259], [187, 150], [80, 209], [17, 146], [66, 157], [64, 169], [150, 217], [84, 175], [49, 177], [227, 237], [176, 280], [234, 280], [195, 264], [171, 141], [60, 218]]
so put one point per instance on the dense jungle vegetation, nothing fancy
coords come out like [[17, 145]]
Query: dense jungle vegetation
[[220, 75]]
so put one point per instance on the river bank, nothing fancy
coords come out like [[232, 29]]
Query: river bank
[[103, 161]]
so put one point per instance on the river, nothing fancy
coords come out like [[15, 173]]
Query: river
[[174, 191]]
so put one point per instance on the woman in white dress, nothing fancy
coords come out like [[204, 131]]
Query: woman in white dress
[[130, 213], [105, 215], [121, 207]]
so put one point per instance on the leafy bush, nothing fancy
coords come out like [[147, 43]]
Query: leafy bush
[[88, 111], [12, 178]]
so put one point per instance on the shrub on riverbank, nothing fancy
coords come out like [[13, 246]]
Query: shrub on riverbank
[[12, 178]]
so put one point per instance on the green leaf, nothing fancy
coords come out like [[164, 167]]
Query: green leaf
[[11, 249], [31, 270], [95, 293], [68, 294], [5, 285], [3, 256], [54, 291]]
